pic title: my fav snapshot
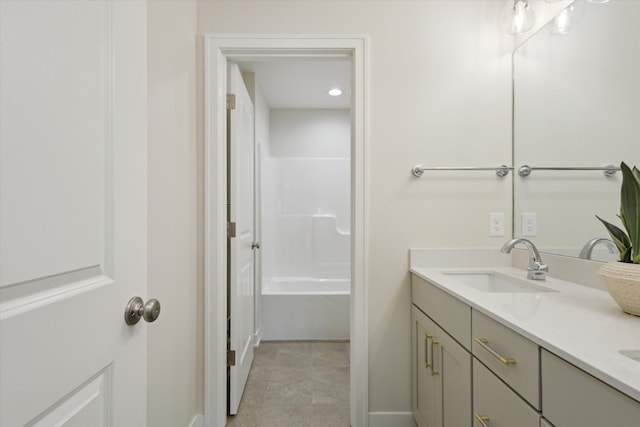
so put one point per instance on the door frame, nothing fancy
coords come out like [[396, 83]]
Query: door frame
[[218, 49]]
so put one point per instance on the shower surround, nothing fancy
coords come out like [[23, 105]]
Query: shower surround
[[305, 188]]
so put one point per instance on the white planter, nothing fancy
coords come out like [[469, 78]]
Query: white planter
[[623, 283]]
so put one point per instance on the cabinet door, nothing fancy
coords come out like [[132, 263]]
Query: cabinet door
[[424, 381], [453, 366]]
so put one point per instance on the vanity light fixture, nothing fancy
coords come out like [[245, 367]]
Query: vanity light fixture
[[335, 92], [517, 18]]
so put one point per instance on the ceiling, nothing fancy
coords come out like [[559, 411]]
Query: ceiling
[[303, 84]]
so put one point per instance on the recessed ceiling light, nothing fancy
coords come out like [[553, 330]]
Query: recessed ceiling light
[[335, 92]]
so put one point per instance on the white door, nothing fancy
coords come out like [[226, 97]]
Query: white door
[[72, 212], [241, 151], [257, 254]]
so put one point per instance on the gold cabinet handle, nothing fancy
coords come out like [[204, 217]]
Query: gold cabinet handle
[[427, 337], [482, 419], [483, 343], [433, 371]]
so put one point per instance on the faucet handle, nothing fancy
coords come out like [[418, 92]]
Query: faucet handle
[[537, 271], [539, 266]]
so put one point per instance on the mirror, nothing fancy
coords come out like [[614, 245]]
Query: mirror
[[576, 104]]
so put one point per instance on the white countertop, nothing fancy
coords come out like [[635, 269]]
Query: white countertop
[[582, 325]]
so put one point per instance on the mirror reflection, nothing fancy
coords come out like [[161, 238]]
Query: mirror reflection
[[576, 105]]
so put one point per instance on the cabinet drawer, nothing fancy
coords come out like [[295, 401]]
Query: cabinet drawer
[[494, 400], [513, 358], [573, 398], [451, 314]]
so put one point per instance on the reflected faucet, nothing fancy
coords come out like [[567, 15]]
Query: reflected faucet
[[537, 270], [585, 253]]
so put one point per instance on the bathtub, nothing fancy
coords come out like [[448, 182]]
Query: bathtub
[[301, 308]]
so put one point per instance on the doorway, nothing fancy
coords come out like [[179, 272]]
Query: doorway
[[219, 51]]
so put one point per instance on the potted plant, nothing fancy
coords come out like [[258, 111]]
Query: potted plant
[[622, 278]]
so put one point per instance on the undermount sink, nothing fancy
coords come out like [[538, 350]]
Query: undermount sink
[[495, 282], [631, 354]]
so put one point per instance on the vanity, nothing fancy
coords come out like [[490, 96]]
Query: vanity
[[493, 349]]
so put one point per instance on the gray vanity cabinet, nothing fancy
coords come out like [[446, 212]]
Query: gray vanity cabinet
[[442, 375], [470, 370]]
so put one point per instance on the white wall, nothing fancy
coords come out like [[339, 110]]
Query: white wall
[[440, 95], [175, 362], [305, 179]]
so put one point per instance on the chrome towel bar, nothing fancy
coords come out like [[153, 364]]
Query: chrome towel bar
[[608, 170], [501, 171]]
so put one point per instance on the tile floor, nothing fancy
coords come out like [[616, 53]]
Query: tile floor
[[296, 384]]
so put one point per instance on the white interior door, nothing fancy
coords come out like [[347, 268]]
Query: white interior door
[[241, 212], [257, 254], [72, 212]]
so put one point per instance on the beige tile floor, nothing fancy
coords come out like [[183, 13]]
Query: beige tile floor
[[296, 384]]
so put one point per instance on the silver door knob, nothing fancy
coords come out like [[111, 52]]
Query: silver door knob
[[255, 245], [137, 309]]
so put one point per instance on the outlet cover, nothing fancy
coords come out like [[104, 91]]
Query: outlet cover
[[496, 224], [529, 224]]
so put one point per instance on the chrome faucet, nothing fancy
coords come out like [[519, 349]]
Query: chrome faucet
[[537, 270], [585, 253]]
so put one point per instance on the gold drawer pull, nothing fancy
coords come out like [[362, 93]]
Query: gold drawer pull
[[483, 343], [427, 337], [433, 371], [482, 419]]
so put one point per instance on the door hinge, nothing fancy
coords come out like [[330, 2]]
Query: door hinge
[[231, 229], [231, 101], [231, 358]]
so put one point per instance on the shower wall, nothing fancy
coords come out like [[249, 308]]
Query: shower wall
[[305, 187]]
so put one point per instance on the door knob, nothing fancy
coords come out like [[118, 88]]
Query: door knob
[[137, 309], [255, 245]]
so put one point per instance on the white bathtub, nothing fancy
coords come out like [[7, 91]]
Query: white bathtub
[[301, 308]]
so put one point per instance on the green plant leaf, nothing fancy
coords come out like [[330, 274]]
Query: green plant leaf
[[620, 238], [630, 206], [636, 173]]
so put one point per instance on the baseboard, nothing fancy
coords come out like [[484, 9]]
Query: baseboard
[[391, 419], [197, 421], [257, 338]]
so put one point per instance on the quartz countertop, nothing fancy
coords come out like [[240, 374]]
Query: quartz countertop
[[582, 325]]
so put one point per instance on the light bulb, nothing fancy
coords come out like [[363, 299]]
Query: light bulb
[[561, 23], [567, 19], [517, 18], [335, 92]]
